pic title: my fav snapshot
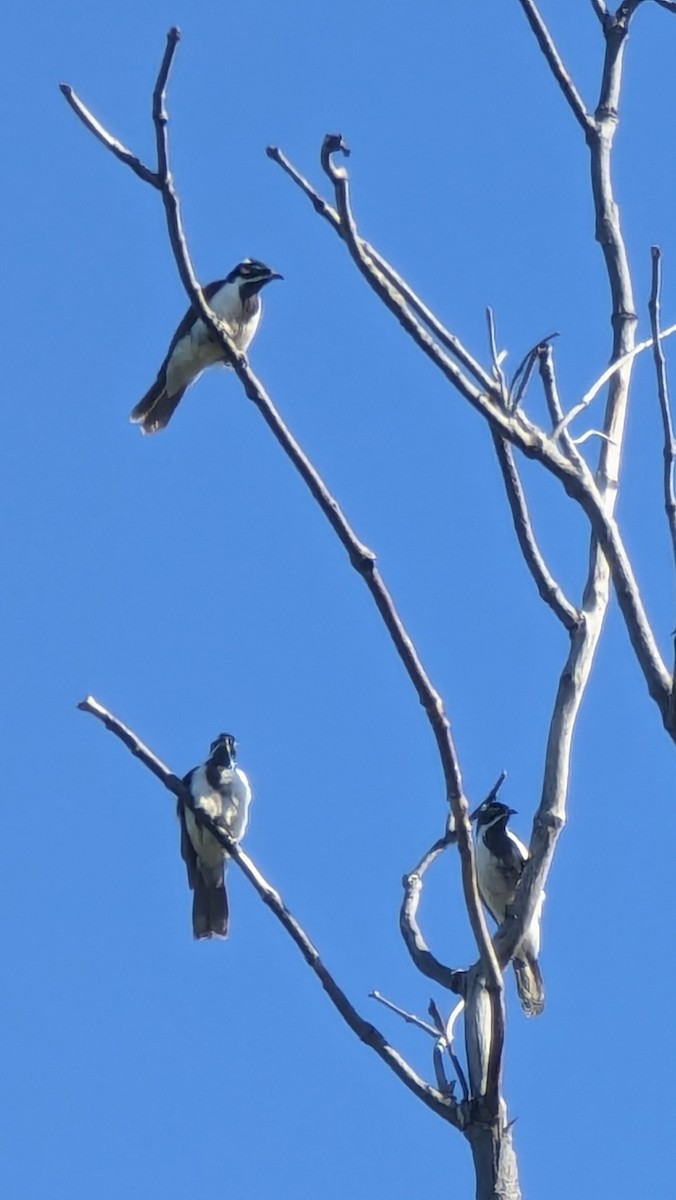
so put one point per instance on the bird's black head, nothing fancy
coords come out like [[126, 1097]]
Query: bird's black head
[[223, 750], [252, 275], [491, 813]]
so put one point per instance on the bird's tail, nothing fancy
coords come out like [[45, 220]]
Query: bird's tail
[[209, 909], [529, 984], [156, 408]]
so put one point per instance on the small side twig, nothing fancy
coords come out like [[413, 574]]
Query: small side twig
[[556, 66], [663, 395], [442, 1104], [594, 390], [669, 451], [522, 375], [116, 147], [547, 586], [446, 1032], [409, 1018], [497, 358]]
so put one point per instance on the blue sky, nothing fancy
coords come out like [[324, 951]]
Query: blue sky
[[191, 585]]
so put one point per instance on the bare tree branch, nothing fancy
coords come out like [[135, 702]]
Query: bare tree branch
[[663, 395], [549, 589], [552, 399], [595, 388], [600, 10], [445, 337], [497, 358], [522, 375], [365, 1031], [446, 1032], [555, 62], [409, 1018], [669, 452], [424, 960], [117, 148], [444, 1084]]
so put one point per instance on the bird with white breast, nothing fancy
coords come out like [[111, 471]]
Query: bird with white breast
[[236, 301]]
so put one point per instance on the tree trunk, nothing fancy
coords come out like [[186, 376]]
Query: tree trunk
[[495, 1166]]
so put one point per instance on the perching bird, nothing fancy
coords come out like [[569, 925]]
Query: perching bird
[[222, 791], [500, 860], [237, 302]]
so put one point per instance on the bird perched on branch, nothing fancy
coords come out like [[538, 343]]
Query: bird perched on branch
[[236, 301], [220, 789], [500, 860]]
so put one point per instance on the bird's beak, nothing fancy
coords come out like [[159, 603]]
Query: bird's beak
[[273, 275], [473, 816]]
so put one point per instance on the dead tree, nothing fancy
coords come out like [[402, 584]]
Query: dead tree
[[479, 1112]]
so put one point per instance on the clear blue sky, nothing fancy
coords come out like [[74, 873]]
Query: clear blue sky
[[191, 585]]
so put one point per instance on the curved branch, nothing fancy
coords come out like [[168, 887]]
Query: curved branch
[[367, 1033], [414, 941]]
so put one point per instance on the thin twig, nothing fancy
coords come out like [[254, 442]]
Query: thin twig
[[445, 1085], [590, 433], [409, 1018], [442, 1032], [325, 210], [446, 1032], [547, 586], [610, 371], [365, 1031], [555, 62], [497, 357], [116, 147], [553, 401], [521, 377], [669, 451]]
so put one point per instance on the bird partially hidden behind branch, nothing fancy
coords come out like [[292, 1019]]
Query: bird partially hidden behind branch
[[220, 789], [237, 302], [500, 860]]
